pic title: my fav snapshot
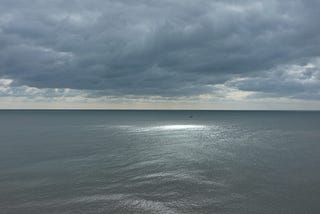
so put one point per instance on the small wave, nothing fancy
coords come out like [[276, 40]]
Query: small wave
[[192, 178], [116, 202]]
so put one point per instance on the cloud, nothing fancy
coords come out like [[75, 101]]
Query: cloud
[[170, 48], [294, 81]]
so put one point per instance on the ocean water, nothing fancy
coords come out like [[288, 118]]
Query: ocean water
[[159, 162]]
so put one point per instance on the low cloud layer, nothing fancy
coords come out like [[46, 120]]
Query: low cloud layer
[[170, 48]]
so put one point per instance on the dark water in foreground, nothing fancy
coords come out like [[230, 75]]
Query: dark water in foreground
[[159, 162]]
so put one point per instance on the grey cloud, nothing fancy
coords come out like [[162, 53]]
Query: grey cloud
[[294, 81], [165, 48]]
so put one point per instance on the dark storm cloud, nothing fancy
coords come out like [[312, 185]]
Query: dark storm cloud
[[166, 48]]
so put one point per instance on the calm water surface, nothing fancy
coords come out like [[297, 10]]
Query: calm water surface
[[159, 162]]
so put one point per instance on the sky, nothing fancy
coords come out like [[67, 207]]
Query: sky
[[168, 54]]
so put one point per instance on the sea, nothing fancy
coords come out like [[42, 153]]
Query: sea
[[136, 161]]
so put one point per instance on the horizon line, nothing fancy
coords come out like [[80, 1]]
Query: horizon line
[[102, 109]]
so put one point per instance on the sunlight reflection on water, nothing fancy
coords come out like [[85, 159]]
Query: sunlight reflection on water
[[180, 127], [177, 127]]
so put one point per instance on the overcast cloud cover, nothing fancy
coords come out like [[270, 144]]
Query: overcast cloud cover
[[166, 50]]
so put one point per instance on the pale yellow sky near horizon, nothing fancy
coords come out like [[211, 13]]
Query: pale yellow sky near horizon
[[183, 104]]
